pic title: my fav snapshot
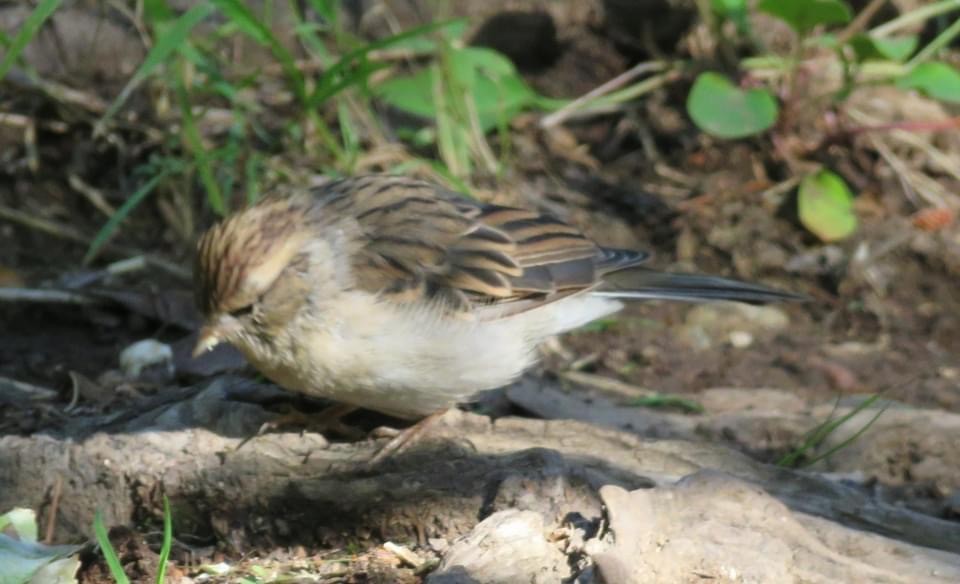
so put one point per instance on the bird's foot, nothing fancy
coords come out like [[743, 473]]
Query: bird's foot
[[401, 440]]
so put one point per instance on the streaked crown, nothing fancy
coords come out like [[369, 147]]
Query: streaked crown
[[240, 257]]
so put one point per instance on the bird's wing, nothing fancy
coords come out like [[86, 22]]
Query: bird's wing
[[421, 242]]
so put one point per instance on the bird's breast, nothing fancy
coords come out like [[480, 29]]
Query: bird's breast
[[412, 360]]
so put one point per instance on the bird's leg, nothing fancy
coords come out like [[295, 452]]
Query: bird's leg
[[331, 420], [404, 438]]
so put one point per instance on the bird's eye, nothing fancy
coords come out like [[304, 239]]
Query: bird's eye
[[242, 311]]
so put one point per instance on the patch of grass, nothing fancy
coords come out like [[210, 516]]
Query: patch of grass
[[812, 440], [462, 95], [110, 554], [329, 120]]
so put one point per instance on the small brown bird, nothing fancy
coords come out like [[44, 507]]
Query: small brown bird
[[399, 296]]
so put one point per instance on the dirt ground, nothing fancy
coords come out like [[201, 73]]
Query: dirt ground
[[883, 317]]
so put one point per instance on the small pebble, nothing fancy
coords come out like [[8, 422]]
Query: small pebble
[[143, 354], [741, 339]]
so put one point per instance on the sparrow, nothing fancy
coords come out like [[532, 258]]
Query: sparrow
[[396, 295]]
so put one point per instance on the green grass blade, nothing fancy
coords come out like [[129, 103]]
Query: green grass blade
[[251, 173], [866, 403], [820, 433], [191, 135], [173, 38], [332, 81], [329, 10], [157, 11], [26, 33], [109, 554], [667, 401], [252, 26], [129, 205], [311, 40], [331, 86], [309, 32], [167, 542], [942, 40], [349, 135]]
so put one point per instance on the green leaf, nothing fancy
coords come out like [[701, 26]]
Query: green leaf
[[109, 554], [24, 522], [498, 90], [28, 562], [729, 7], [735, 11], [804, 15], [486, 76], [483, 58], [897, 49], [28, 29], [157, 11], [937, 80], [410, 93], [173, 38], [720, 108], [826, 206]]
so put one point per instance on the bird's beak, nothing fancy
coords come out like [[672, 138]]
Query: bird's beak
[[217, 330], [209, 338]]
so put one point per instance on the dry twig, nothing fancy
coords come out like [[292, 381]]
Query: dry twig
[[617, 82]]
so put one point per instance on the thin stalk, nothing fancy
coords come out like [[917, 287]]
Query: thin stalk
[[917, 16], [942, 40]]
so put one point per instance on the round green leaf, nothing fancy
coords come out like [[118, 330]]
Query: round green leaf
[[410, 93], [483, 58], [722, 109], [501, 99], [938, 80], [870, 48], [804, 15], [826, 206], [483, 75]]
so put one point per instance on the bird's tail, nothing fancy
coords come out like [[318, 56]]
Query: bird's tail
[[638, 283]]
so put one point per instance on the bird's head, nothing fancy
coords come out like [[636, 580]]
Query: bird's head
[[250, 274]]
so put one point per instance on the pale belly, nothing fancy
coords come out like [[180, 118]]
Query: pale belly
[[411, 363]]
